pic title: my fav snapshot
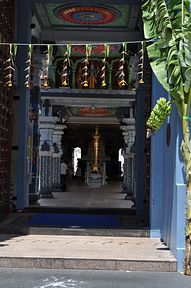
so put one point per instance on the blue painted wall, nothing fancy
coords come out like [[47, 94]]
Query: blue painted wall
[[168, 190]]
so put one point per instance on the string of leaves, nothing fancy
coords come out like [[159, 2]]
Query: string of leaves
[[121, 76], [141, 64], [28, 68], [106, 54], [46, 66], [86, 62], [9, 67], [66, 64]]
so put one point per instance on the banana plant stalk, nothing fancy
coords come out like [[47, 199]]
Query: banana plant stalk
[[167, 24]]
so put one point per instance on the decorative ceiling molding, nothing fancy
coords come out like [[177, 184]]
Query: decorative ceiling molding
[[87, 14]]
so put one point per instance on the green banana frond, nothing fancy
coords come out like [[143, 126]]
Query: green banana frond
[[170, 54], [148, 15], [179, 11]]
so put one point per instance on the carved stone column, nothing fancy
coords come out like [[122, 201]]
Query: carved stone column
[[57, 137], [129, 167], [47, 125]]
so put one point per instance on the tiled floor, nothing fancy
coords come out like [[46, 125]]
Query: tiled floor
[[79, 195]]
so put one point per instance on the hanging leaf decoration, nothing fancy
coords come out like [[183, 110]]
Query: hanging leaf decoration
[[121, 75], [106, 54], [141, 64], [9, 68], [28, 68], [46, 64], [66, 63], [85, 68]]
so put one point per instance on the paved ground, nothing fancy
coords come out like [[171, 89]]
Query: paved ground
[[81, 195], [33, 278], [85, 252]]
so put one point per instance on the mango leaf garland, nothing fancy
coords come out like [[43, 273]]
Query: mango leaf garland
[[28, 68], [46, 66], [85, 68], [121, 75], [9, 63], [141, 64], [106, 54], [66, 63]]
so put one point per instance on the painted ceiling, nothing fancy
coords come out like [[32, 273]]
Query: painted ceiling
[[97, 50], [87, 15], [91, 111]]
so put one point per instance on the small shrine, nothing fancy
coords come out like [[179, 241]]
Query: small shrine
[[96, 159]]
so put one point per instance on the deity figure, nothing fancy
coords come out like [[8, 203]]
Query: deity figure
[[79, 78], [46, 106], [92, 77]]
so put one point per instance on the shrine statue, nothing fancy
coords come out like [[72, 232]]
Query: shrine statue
[[92, 76], [79, 78]]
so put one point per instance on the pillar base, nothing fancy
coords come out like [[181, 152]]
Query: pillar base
[[48, 196], [33, 199]]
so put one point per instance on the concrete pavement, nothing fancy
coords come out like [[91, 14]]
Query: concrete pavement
[[42, 278]]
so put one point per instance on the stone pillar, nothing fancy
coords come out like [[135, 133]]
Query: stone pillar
[[57, 137], [35, 105], [23, 35], [129, 167], [47, 125], [139, 148]]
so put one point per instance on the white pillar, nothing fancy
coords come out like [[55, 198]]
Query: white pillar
[[129, 168], [47, 125], [57, 137]]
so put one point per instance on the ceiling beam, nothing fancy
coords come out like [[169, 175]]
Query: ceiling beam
[[93, 120], [85, 36], [94, 2], [88, 102]]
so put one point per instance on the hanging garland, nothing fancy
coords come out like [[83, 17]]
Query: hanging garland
[[106, 54], [28, 68], [9, 63], [121, 77], [141, 64], [46, 64], [66, 64], [86, 63]]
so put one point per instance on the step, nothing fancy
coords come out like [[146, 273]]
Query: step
[[17, 224], [85, 252]]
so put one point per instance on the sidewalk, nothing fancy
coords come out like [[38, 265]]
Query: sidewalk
[[85, 252]]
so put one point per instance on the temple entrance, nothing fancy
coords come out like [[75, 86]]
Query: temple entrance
[[94, 178]]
